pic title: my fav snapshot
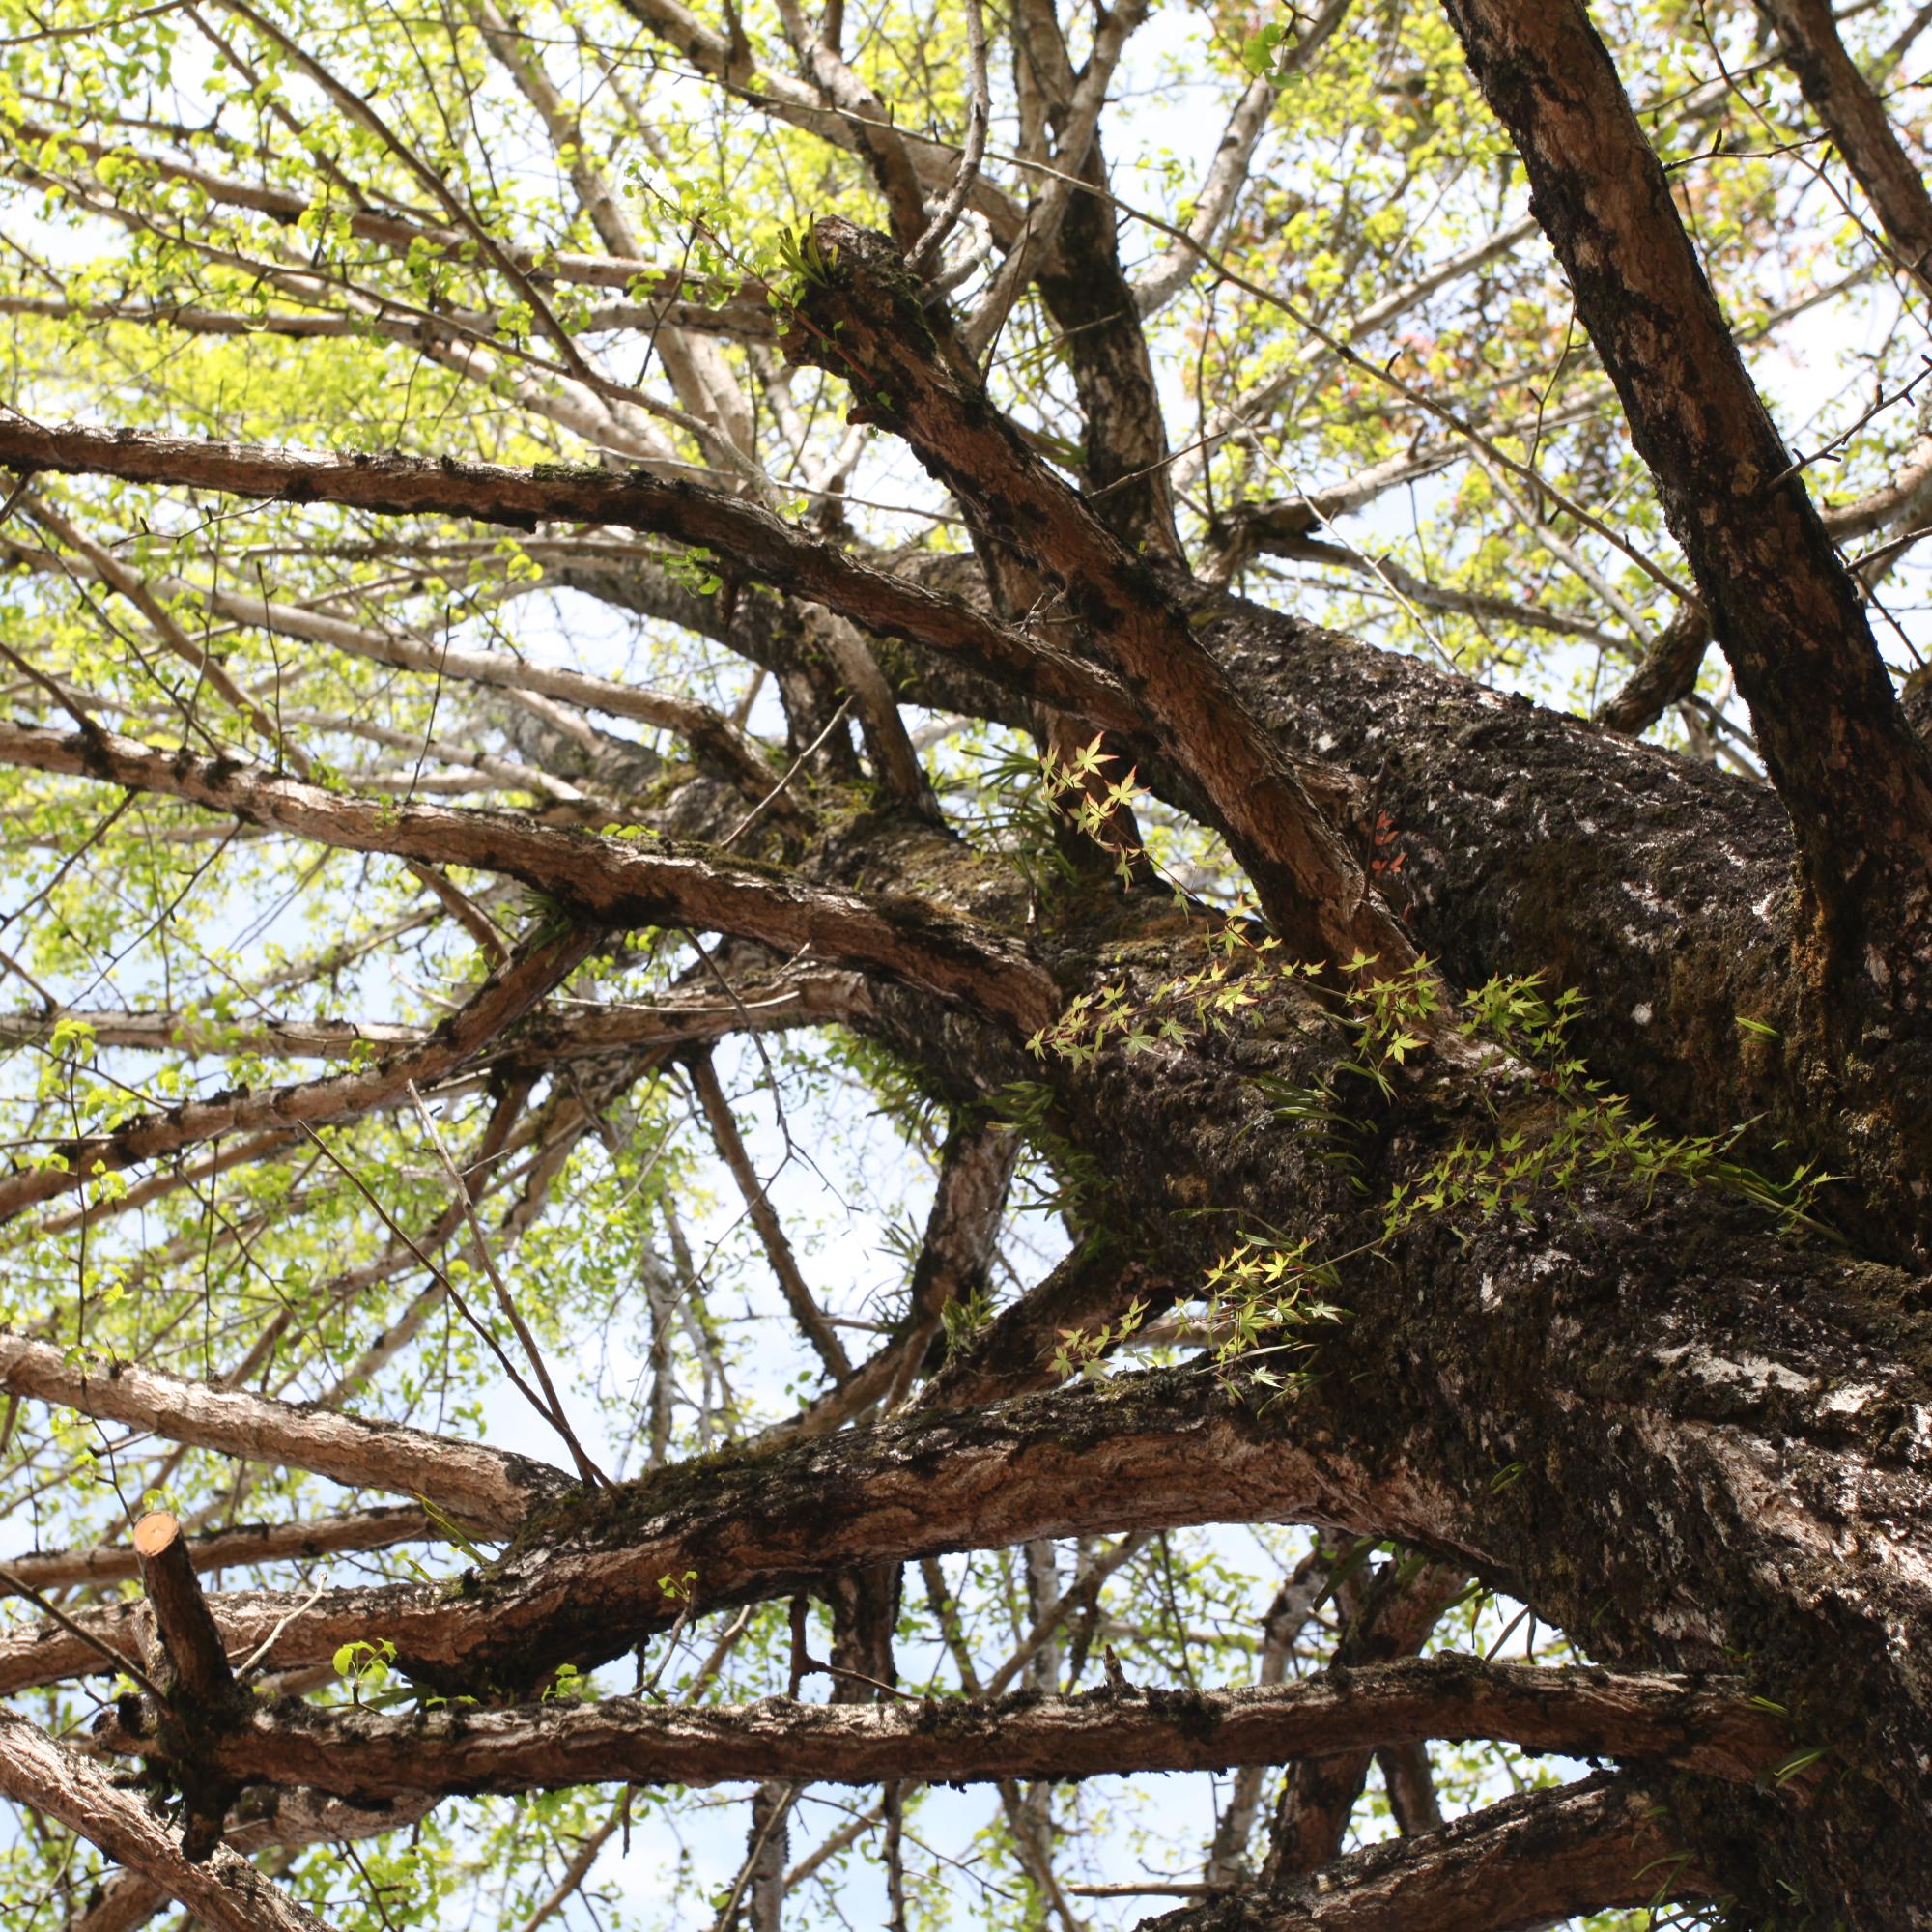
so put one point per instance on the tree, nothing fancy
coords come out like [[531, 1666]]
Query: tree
[[652, 655]]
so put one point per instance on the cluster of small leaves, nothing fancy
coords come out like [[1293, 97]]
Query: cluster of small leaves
[[1575, 1130], [1237, 975]]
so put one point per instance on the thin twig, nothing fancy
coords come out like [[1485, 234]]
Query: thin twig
[[585, 1467]]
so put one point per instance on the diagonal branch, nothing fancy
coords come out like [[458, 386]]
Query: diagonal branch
[[1527, 1863], [504, 998], [1856, 780], [1852, 112], [224, 1892], [614, 883], [730, 1145], [263, 1819], [863, 319], [493, 1489], [1393, 1620]]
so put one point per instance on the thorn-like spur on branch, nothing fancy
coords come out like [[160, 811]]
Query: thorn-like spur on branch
[[754, 541], [504, 998], [863, 318], [367, 1754], [614, 883], [1786, 612], [224, 1892], [492, 1490], [1529, 1862]]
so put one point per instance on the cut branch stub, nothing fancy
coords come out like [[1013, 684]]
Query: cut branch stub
[[197, 1663], [191, 1668]]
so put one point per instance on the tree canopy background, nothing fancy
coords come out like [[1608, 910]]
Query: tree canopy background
[[767, 776]]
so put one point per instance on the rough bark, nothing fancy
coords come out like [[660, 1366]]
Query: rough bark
[[491, 1488], [1521, 1865], [225, 1891], [1854, 779], [367, 1756]]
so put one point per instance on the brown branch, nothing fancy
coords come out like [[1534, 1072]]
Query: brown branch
[[1667, 676], [1851, 111], [751, 539], [505, 996], [975, 1170], [586, 1577], [1535, 1859], [191, 1670], [730, 1145], [1294, 1603], [1856, 780], [1578, 1710], [188, 1640], [224, 1892], [614, 883], [244, 1545], [1017, 1354], [491, 1489], [1393, 1619], [264, 1818], [864, 321], [867, 117]]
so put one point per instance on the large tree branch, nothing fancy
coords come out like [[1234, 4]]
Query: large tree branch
[[1853, 777], [368, 1755], [1519, 1867], [613, 883], [749, 539], [954, 1259], [863, 319], [1851, 111], [224, 1892], [264, 1818], [493, 1489]]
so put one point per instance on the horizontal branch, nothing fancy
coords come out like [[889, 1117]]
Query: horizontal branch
[[491, 1489], [585, 1578], [616, 883], [748, 539], [244, 1545], [1581, 1712]]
